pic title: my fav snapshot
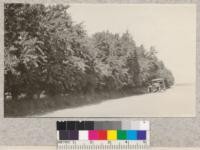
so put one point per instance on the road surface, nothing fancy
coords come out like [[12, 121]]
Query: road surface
[[178, 101]]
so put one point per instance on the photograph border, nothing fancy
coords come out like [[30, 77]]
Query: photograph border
[[162, 129]]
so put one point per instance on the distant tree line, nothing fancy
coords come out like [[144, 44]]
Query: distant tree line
[[45, 51]]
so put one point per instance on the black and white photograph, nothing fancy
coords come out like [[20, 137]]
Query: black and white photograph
[[99, 60]]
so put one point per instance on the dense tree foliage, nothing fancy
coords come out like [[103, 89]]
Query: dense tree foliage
[[45, 51]]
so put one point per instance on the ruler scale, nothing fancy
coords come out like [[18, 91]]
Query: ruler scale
[[103, 135]]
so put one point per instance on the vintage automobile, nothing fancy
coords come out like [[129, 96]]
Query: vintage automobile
[[156, 85]]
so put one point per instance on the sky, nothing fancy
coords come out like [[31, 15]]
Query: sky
[[171, 29]]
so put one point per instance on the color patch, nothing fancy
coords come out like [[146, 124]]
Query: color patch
[[63, 135], [111, 134], [102, 135], [83, 135], [73, 134], [80, 125], [89, 125], [61, 125], [141, 135], [121, 134], [93, 135], [131, 135], [71, 125]]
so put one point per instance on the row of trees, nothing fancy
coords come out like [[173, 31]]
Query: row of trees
[[46, 51]]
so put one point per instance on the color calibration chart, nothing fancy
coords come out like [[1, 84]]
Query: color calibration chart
[[103, 135]]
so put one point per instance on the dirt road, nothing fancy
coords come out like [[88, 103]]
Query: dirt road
[[178, 101]]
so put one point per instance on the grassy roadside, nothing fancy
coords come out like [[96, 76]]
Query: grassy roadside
[[26, 107]]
